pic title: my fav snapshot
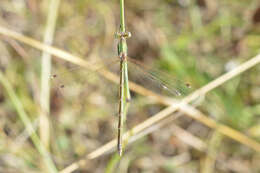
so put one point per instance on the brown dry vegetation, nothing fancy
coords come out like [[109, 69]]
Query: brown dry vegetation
[[213, 45]]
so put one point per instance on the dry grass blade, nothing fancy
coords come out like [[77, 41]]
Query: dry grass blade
[[44, 125], [188, 138], [234, 134], [159, 116]]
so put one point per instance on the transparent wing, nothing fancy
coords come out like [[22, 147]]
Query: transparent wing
[[156, 80], [69, 82], [76, 76], [83, 89]]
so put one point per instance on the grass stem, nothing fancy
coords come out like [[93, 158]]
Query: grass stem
[[44, 124]]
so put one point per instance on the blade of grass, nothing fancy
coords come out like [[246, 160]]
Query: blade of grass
[[223, 129], [44, 125], [188, 138], [111, 166], [28, 124]]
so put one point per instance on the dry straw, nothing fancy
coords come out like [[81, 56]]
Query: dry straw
[[44, 126]]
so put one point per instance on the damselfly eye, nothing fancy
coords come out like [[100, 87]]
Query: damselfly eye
[[128, 34]]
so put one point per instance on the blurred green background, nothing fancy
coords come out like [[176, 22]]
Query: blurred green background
[[195, 41]]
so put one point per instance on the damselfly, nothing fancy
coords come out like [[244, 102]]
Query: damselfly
[[173, 86], [150, 78]]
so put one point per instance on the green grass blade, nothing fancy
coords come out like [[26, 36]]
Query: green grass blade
[[28, 124]]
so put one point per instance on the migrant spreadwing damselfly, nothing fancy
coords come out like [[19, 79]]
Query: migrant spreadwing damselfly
[[124, 92], [149, 77], [175, 87]]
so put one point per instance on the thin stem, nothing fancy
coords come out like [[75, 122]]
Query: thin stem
[[122, 16], [46, 72], [122, 47]]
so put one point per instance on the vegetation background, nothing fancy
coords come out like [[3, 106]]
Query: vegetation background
[[195, 41]]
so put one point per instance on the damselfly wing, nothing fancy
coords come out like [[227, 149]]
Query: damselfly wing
[[152, 79]]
